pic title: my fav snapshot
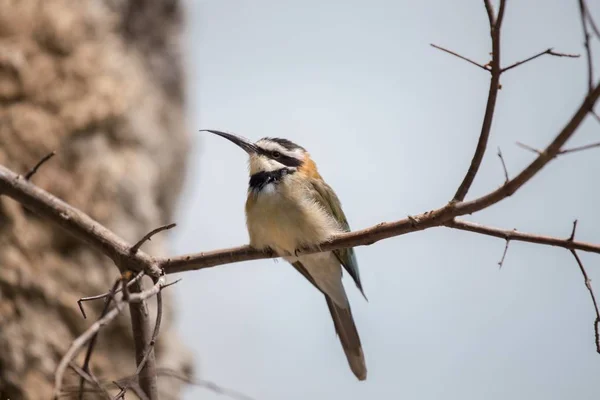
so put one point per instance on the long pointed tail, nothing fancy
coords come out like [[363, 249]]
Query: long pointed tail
[[346, 330]]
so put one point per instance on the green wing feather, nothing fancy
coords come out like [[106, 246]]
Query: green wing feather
[[323, 194]]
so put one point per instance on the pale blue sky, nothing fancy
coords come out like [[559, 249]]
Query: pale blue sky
[[392, 124]]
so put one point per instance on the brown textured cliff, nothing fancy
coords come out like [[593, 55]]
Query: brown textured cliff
[[100, 82]]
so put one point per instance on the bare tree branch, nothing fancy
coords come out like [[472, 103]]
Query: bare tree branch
[[132, 258], [591, 21], [586, 43], [92, 343], [579, 148], [104, 295], [75, 222], [549, 51], [459, 56], [149, 349], [514, 235], [144, 352], [561, 152], [588, 285], [496, 71], [59, 212], [506, 179], [149, 235], [78, 343]]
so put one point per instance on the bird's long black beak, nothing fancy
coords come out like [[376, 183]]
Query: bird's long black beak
[[244, 143]]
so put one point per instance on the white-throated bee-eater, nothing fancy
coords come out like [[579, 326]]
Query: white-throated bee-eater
[[290, 207]]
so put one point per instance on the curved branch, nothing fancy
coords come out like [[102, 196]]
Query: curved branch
[[486, 126], [75, 222]]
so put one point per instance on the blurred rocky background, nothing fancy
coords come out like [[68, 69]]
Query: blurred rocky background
[[101, 83]]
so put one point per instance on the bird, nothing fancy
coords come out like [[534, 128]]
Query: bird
[[290, 207]]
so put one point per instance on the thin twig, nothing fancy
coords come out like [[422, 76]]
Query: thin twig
[[586, 43], [580, 148], [486, 126], [459, 56], [527, 147], [561, 152], [37, 166], [501, 262], [92, 343], [149, 235], [549, 51], [588, 285], [104, 295], [514, 235], [591, 21], [78, 343], [506, 179], [90, 378], [159, 311]]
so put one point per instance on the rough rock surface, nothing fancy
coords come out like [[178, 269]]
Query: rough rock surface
[[100, 82]]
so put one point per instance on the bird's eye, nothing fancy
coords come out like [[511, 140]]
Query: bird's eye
[[276, 154]]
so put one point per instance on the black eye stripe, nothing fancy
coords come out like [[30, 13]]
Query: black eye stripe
[[286, 160], [289, 161]]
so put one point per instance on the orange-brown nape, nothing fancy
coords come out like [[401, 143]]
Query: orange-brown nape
[[309, 168]]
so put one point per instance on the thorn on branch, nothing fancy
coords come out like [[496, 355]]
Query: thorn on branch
[[549, 51], [572, 237], [37, 166], [413, 220], [506, 179], [485, 67], [149, 235]]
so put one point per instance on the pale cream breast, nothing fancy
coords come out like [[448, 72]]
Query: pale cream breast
[[285, 218]]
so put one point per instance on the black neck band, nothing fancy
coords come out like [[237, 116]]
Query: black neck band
[[261, 179]]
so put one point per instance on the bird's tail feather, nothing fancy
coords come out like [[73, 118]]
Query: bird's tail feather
[[346, 330]]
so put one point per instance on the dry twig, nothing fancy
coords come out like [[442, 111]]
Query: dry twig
[[506, 179], [486, 126], [78, 343], [107, 294], [37, 166], [549, 51]]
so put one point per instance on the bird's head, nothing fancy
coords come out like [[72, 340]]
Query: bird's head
[[273, 154]]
